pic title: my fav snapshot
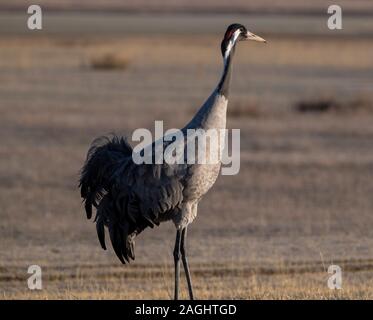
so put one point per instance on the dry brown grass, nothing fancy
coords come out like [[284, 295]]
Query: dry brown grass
[[221, 281], [109, 61], [335, 106]]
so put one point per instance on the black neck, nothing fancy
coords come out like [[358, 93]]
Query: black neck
[[223, 86]]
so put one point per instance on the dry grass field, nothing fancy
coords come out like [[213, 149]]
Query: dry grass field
[[301, 201]]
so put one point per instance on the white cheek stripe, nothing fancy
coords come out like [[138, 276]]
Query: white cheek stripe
[[231, 43]]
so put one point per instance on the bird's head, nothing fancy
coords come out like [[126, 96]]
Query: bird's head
[[236, 32]]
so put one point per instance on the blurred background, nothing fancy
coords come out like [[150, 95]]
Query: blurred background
[[304, 103]]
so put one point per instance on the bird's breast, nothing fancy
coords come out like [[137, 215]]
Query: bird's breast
[[202, 177]]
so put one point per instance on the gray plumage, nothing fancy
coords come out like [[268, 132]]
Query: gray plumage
[[130, 197]]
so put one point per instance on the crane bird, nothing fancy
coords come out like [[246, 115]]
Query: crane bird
[[129, 197]]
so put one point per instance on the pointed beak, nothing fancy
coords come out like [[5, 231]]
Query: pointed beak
[[254, 37]]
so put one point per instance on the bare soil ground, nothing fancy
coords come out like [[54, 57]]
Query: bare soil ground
[[301, 201]]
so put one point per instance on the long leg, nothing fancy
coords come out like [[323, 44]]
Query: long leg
[[185, 262], [177, 263]]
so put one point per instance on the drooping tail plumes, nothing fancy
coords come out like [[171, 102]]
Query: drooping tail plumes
[[103, 158], [98, 189], [128, 197]]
